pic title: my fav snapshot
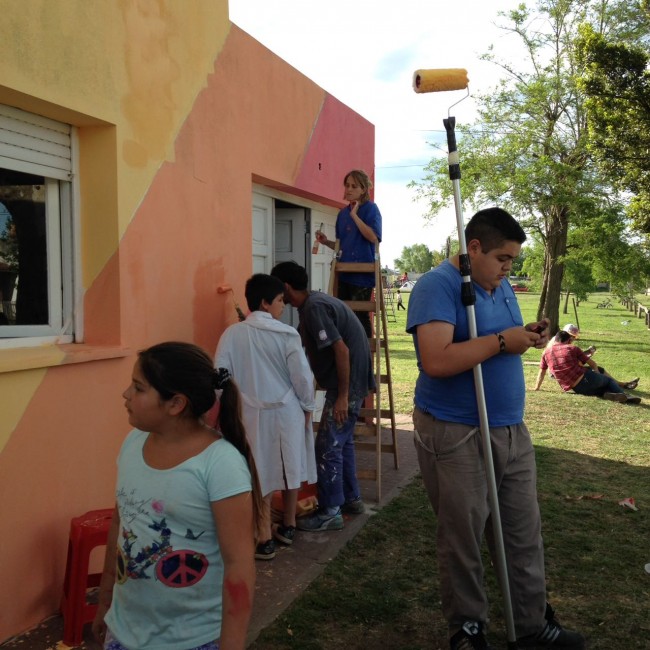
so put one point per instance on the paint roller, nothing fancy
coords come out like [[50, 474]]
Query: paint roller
[[435, 81], [225, 288]]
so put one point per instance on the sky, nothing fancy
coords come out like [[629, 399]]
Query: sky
[[364, 53]]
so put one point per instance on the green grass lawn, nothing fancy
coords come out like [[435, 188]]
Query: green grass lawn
[[381, 591]]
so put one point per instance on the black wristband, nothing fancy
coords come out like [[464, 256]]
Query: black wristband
[[502, 342]]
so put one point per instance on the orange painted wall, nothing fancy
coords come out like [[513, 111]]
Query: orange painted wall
[[189, 231]]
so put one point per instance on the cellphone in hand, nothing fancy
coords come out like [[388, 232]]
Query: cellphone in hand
[[539, 329]]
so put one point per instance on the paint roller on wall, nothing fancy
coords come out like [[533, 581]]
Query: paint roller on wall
[[225, 288]]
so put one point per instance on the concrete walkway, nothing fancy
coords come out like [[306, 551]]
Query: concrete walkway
[[283, 579]]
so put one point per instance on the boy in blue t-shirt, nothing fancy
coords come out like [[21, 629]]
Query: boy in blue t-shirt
[[448, 441]]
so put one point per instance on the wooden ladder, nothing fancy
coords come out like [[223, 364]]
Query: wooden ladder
[[369, 433], [389, 301]]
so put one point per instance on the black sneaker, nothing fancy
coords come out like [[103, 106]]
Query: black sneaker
[[469, 637], [265, 550], [284, 534], [354, 507], [553, 635], [615, 397]]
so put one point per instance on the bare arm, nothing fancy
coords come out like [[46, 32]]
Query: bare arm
[[322, 239], [342, 360], [234, 520], [540, 378], [108, 579], [441, 357]]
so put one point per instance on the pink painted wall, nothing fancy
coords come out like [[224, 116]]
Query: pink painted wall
[[256, 117]]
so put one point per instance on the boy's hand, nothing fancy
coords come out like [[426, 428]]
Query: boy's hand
[[541, 328]]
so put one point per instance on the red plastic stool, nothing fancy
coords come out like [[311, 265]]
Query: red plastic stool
[[86, 533]]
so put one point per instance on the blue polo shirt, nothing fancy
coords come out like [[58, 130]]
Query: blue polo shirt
[[436, 297]]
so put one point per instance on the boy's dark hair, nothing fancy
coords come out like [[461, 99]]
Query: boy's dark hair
[[492, 227], [291, 273], [262, 287]]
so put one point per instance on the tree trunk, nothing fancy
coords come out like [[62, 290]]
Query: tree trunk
[[555, 250]]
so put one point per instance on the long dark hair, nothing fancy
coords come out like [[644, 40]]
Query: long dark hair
[[175, 367]]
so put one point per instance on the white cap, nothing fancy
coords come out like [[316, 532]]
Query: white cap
[[572, 329]]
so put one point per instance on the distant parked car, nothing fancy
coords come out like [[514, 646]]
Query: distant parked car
[[407, 286]]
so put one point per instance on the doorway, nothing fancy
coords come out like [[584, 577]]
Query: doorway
[[291, 231]]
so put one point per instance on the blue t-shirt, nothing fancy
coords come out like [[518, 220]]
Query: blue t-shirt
[[353, 246], [436, 297], [167, 594]]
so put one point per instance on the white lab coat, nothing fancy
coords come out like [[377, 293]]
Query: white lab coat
[[267, 361]]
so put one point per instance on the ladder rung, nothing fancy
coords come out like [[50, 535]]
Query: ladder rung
[[370, 413], [361, 305], [367, 474], [373, 344], [355, 267], [371, 446]]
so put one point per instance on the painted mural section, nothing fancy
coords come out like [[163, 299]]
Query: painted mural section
[[177, 113]]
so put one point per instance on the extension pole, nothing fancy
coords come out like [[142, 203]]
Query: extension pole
[[468, 298]]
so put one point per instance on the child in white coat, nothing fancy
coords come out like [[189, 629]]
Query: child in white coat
[[266, 359]]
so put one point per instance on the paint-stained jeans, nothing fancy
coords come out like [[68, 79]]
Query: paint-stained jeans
[[450, 456], [335, 459], [111, 643]]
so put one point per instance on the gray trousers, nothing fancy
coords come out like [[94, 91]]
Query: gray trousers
[[450, 456]]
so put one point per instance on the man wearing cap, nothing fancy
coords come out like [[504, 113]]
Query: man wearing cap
[[567, 362], [574, 332]]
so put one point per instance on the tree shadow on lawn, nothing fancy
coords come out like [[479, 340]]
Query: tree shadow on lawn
[[382, 590]]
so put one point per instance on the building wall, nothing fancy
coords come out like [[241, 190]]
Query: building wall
[[178, 112]]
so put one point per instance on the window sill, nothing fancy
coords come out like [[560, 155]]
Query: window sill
[[46, 356]]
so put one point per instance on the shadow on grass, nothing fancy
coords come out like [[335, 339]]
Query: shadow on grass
[[381, 591]]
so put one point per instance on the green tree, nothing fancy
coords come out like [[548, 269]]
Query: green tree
[[528, 150], [616, 83], [417, 259]]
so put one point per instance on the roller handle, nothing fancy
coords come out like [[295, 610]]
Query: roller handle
[[454, 161]]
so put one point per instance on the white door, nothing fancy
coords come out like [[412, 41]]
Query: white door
[[290, 246], [262, 233]]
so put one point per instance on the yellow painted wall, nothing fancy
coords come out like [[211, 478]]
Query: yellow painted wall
[[136, 65]]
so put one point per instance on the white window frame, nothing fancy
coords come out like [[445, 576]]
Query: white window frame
[[63, 257]]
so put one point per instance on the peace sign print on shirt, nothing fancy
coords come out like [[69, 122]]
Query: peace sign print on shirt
[[181, 568]]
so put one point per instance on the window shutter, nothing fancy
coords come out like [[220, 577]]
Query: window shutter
[[34, 144]]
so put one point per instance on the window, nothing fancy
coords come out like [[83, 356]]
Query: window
[[36, 244]]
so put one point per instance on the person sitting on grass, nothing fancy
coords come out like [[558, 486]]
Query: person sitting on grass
[[567, 364], [574, 331]]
